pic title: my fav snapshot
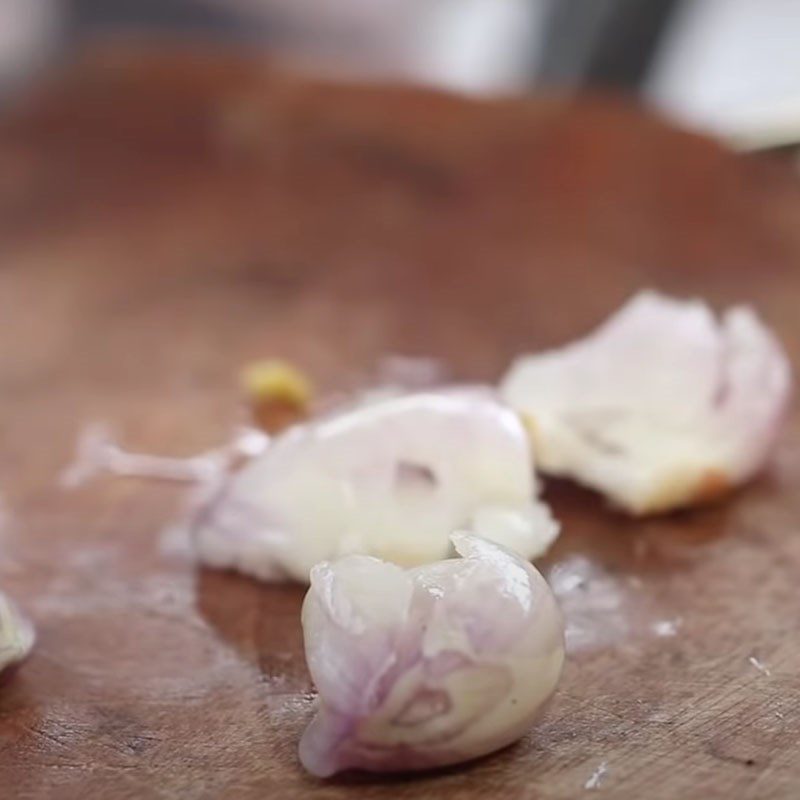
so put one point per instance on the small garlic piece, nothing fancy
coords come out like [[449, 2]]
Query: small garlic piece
[[16, 634], [393, 478], [427, 667], [661, 407]]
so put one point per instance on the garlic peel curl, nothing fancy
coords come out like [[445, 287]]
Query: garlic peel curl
[[391, 479], [663, 406], [430, 666]]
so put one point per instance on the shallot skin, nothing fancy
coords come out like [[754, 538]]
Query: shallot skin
[[428, 667], [16, 635], [662, 406], [392, 479]]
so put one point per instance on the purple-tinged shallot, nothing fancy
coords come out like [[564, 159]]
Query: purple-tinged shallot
[[427, 667]]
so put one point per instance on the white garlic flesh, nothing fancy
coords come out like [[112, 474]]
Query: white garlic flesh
[[427, 667], [663, 406], [16, 635], [392, 479]]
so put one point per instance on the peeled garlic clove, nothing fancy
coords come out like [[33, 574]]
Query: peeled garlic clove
[[16, 634], [391, 479], [663, 406], [426, 667]]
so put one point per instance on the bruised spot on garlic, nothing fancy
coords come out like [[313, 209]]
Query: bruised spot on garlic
[[427, 667], [392, 479], [663, 406], [16, 635]]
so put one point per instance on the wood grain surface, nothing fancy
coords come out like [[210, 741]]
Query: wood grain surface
[[165, 219]]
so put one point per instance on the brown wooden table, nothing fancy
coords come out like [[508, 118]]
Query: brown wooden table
[[165, 219]]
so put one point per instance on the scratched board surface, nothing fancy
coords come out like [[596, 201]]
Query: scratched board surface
[[166, 219]]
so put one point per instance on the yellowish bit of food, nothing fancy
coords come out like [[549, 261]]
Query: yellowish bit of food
[[278, 392], [277, 380]]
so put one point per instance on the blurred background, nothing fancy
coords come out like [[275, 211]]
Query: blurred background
[[729, 67]]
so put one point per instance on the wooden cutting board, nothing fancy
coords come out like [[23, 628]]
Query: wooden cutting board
[[165, 219]]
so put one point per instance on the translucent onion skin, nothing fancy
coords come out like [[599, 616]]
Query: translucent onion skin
[[16, 635], [427, 667], [663, 406], [392, 479]]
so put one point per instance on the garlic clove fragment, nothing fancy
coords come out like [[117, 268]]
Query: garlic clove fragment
[[393, 479], [430, 666], [661, 407], [16, 635]]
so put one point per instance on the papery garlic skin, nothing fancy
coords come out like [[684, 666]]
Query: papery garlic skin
[[16, 635], [661, 407], [392, 479], [427, 667]]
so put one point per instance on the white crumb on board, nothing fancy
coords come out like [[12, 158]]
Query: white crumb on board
[[596, 776], [667, 627], [759, 665]]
